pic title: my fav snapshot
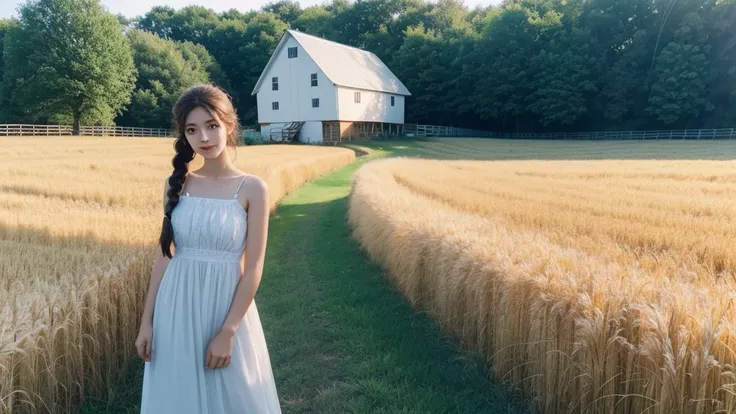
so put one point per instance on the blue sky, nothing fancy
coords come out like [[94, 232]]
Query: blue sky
[[132, 8]]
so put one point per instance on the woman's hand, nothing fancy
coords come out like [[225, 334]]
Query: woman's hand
[[144, 341], [220, 350]]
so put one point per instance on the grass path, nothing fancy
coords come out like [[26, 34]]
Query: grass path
[[341, 339]]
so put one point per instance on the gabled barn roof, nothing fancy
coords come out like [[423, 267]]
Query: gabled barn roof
[[343, 65]]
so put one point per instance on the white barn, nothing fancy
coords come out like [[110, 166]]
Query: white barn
[[316, 90]]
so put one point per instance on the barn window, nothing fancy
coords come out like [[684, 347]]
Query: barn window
[[357, 97], [292, 52], [274, 83], [314, 79], [275, 106], [315, 102], [392, 101]]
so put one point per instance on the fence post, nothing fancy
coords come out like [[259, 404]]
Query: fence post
[[699, 132]]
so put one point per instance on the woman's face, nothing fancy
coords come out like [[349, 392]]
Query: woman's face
[[205, 133]]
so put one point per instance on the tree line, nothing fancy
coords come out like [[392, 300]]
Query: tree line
[[527, 65]]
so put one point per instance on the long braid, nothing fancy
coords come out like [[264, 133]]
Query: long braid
[[184, 155]]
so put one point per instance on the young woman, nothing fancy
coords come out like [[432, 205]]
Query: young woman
[[200, 334]]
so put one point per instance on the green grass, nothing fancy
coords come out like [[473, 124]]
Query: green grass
[[341, 339]]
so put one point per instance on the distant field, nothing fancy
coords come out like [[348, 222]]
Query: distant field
[[515, 149], [596, 286], [79, 218]]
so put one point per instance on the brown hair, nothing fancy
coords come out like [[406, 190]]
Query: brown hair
[[214, 100]]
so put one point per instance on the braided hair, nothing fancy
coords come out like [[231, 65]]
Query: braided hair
[[215, 100]]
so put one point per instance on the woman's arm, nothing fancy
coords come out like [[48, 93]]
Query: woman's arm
[[255, 250]]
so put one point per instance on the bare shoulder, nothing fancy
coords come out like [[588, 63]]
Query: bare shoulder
[[253, 191], [256, 184]]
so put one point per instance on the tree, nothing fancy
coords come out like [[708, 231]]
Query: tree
[[563, 81], [679, 92], [193, 52], [625, 85], [159, 20], [423, 63], [164, 72], [722, 77], [317, 21], [364, 17], [449, 16], [126, 23], [8, 112], [501, 69], [287, 11], [5, 25], [191, 23], [234, 14], [68, 57]]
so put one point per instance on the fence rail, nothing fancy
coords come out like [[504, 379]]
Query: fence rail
[[443, 131], [692, 134], [408, 129], [28, 129]]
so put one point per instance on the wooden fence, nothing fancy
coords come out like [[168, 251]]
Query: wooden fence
[[406, 129], [27, 129], [443, 131], [690, 134]]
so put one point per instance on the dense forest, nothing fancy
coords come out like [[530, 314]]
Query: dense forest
[[527, 65]]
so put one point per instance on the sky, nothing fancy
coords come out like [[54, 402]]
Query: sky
[[132, 8]]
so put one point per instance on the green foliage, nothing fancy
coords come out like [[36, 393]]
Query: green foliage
[[679, 93], [424, 65], [526, 65], [563, 80], [285, 10], [9, 113], [165, 70], [5, 25], [317, 21], [198, 55], [68, 58]]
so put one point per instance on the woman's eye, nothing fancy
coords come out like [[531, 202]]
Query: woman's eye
[[214, 125], [190, 130]]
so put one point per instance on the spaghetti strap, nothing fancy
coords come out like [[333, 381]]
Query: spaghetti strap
[[240, 185]]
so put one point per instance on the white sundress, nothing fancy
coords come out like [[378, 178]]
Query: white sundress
[[191, 305]]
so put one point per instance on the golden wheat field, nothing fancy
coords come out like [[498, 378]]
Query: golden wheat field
[[600, 286], [79, 221]]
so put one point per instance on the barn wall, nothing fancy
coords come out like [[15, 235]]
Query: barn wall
[[373, 106], [295, 89], [311, 132]]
